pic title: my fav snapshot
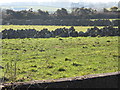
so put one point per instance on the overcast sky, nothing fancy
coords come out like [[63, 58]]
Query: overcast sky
[[10, 1]]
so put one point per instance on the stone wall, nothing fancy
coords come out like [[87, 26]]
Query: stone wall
[[105, 80]]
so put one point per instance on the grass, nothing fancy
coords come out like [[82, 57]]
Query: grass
[[53, 58], [40, 27], [105, 19]]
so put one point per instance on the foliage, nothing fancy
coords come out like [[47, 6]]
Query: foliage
[[82, 12], [69, 21], [59, 17], [61, 12]]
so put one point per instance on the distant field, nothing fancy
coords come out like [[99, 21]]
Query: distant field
[[53, 58], [40, 27], [104, 19]]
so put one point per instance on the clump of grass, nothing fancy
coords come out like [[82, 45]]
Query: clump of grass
[[10, 71]]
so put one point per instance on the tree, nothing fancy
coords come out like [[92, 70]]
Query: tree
[[9, 11], [114, 9], [30, 10], [105, 10], [61, 12], [83, 11], [40, 12]]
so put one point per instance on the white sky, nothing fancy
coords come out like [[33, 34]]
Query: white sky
[[10, 1]]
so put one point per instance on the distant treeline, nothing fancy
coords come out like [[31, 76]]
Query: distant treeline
[[60, 32], [77, 16], [63, 22]]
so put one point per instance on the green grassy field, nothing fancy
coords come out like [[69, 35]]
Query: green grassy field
[[40, 27], [104, 19], [53, 58]]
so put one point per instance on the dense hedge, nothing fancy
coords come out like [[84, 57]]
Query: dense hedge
[[64, 22], [60, 32]]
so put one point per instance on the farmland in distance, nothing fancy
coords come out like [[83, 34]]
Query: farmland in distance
[[40, 27]]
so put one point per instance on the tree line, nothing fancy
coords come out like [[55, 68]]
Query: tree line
[[18, 17], [63, 22], [61, 13], [60, 32]]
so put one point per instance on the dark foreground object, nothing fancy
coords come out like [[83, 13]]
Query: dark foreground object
[[105, 80]]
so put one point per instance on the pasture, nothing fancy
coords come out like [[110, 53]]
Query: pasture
[[40, 27], [105, 19], [52, 58]]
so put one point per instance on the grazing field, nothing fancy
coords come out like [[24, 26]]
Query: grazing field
[[105, 19], [40, 27], [53, 58]]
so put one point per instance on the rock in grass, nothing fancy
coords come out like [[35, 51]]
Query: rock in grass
[[42, 50], [49, 74], [49, 66], [94, 69], [17, 49], [85, 47], [33, 66], [54, 57], [24, 50], [67, 59], [33, 70], [97, 42], [61, 69], [1, 67], [108, 41], [116, 56], [60, 39], [76, 64]]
